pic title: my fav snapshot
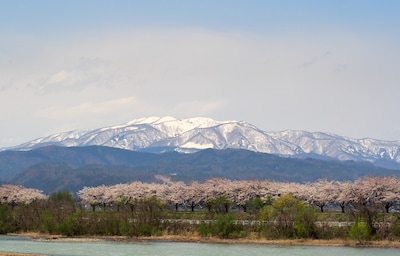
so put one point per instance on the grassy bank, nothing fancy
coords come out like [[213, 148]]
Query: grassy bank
[[284, 219]]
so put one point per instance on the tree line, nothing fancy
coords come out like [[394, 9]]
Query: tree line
[[382, 193], [285, 209]]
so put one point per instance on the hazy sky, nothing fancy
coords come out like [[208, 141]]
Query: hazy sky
[[330, 66]]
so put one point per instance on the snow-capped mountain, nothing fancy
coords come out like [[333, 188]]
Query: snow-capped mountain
[[157, 134]]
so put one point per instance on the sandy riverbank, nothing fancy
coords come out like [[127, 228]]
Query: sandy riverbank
[[198, 239], [15, 254], [286, 242]]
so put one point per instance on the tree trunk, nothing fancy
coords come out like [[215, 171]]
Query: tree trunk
[[226, 207], [387, 207], [342, 207]]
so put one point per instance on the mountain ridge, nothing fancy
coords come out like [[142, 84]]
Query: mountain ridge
[[161, 134], [55, 168]]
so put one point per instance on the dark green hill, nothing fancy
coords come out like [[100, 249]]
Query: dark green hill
[[71, 168]]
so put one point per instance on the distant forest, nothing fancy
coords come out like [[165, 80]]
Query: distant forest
[[52, 168]]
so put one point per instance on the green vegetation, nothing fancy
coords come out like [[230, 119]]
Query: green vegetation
[[359, 231], [287, 217], [222, 226], [283, 218]]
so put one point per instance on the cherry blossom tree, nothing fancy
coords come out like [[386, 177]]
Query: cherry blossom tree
[[297, 190], [268, 191], [370, 192], [136, 191], [14, 195], [365, 195], [194, 195], [216, 188], [344, 194], [172, 192], [320, 193], [117, 195], [245, 190], [94, 196], [387, 191]]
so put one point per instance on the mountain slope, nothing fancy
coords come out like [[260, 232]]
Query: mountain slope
[[157, 135], [71, 168]]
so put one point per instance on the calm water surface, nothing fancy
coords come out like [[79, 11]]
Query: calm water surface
[[27, 245]]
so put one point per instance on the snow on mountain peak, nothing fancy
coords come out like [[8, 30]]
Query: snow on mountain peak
[[192, 134]]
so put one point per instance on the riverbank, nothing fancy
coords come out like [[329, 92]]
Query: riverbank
[[275, 244], [198, 239], [283, 242], [16, 254]]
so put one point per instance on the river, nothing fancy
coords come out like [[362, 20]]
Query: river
[[102, 247]]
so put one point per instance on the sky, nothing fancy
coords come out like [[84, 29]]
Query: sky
[[329, 66]]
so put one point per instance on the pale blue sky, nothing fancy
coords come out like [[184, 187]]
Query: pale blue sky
[[330, 66], [44, 17]]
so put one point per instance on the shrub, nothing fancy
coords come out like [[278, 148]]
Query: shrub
[[254, 205], [396, 228], [304, 224], [48, 224], [5, 220], [223, 225], [283, 212], [71, 225], [360, 232], [204, 230], [222, 204], [148, 214]]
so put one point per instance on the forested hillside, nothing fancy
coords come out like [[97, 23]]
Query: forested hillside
[[70, 168]]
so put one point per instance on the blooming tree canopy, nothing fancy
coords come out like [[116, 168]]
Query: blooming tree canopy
[[14, 194]]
